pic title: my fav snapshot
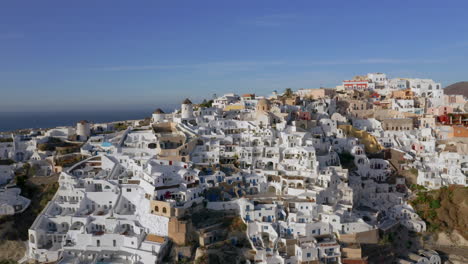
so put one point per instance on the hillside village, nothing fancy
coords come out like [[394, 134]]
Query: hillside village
[[327, 175]]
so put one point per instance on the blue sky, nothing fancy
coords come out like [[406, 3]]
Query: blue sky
[[111, 54]]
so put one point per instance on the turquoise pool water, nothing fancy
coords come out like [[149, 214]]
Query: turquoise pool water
[[106, 144]]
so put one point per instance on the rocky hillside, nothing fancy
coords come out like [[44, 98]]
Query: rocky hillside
[[14, 228], [445, 209], [457, 88]]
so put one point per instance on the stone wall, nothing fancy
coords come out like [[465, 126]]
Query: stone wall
[[398, 124], [180, 231]]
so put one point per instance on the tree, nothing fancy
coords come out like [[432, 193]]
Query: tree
[[206, 103], [120, 126], [288, 92]]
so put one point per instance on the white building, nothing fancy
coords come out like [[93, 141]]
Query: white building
[[428, 89], [83, 130], [225, 100], [6, 174], [11, 202]]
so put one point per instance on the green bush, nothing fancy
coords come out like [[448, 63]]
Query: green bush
[[52, 143], [206, 103], [120, 126], [435, 204], [7, 261], [417, 187], [414, 171], [346, 160], [432, 228], [432, 214], [70, 161], [6, 162], [386, 239]]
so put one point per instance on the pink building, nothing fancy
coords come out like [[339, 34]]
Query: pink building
[[356, 85], [417, 147], [440, 110], [304, 115], [454, 99]]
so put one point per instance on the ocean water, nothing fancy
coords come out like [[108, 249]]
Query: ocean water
[[22, 120]]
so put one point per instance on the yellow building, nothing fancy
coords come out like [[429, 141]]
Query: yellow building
[[370, 143], [234, 107]]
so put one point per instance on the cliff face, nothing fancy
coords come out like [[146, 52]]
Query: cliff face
[[457, 88], [445, 209], [453, 212]]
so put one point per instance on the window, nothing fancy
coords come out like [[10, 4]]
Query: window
[[114, 243], [98, 243], [129, 190], [156, 208], [164, 210]]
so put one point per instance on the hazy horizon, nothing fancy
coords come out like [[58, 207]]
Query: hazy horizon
[[10, 121], [62, 55]]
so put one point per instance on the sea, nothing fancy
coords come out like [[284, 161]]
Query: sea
[[10, 121]]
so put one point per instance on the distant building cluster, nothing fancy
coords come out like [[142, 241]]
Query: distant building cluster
[[313, 175]]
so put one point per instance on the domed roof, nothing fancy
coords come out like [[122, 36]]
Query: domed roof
[[187, 101], [158, 111], [263, 104], [83, 122]]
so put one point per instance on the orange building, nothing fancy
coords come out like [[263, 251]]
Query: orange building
[[460, 131], [403, 94]]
